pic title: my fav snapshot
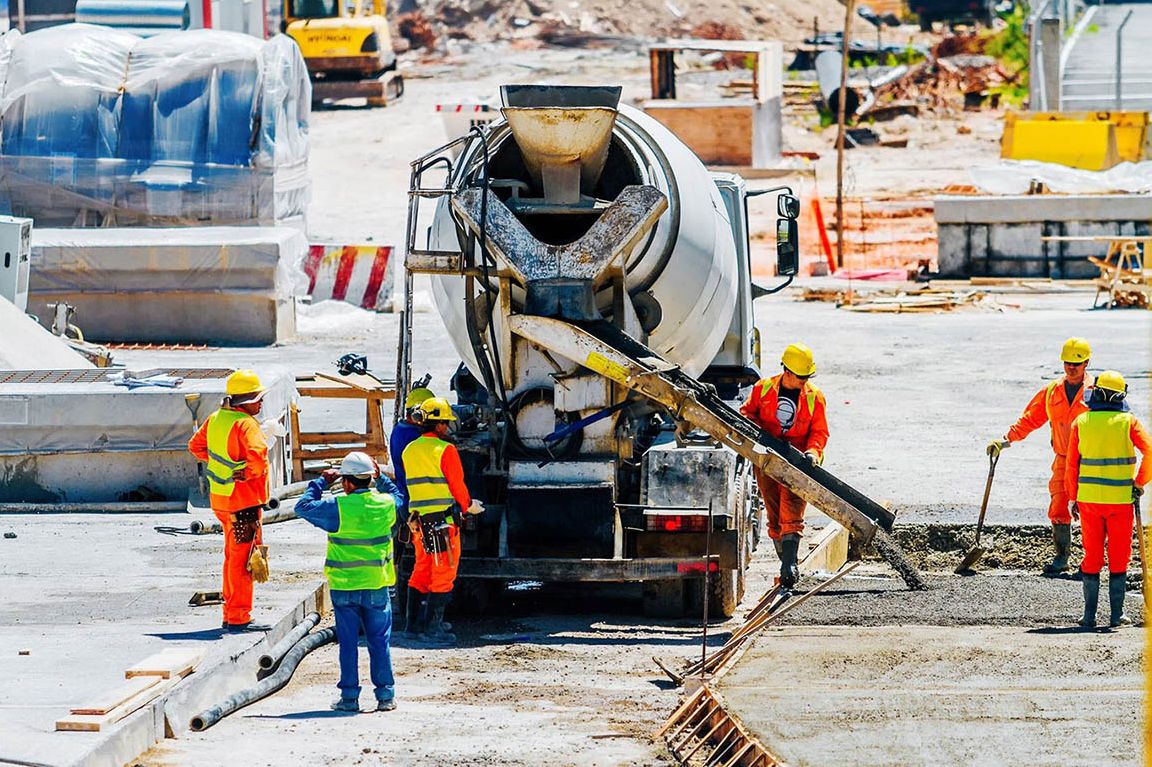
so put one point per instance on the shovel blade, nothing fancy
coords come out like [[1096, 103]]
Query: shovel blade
[[973, 556]]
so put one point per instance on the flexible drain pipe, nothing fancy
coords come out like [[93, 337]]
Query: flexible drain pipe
[[281, 648], [271, 683]]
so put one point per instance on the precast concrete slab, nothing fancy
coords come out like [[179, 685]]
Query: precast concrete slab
[[1000, 236], [77, 436], [916, 695], [89, 595]]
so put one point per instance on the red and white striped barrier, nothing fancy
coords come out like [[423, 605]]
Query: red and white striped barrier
[[360, 275]]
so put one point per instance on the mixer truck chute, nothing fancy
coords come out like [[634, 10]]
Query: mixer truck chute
[[595, 279]]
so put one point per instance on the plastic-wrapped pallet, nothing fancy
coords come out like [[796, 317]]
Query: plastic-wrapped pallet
[[191, 128], [219, 285]]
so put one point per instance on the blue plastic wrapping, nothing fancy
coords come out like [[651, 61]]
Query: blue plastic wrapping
[[99, 127]]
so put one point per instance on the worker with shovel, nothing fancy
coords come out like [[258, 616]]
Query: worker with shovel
[[1105, 484], [1058, 404], [360, 568], [233, 446], [437, 497], [788, 406]]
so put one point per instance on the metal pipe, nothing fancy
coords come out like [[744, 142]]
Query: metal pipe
[[1119, 62], [281, 648], [94, 507], [269, 685], [275, 504]]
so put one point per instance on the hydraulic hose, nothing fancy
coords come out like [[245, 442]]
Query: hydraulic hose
[[272, 683], [281, 648]]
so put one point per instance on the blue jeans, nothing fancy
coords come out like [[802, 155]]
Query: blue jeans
[[372, 611]]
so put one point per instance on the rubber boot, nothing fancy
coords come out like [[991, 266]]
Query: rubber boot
[[412, 609], [1117, 586], [435, 634], [790, 551], [1091, 585], [1062, 541]]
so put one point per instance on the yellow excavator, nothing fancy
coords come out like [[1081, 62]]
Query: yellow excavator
[[347, 47]]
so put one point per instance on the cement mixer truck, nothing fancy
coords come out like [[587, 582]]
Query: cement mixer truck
[[595, 279]]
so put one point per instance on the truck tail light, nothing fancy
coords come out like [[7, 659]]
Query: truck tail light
[[677, 523], [697, 567]]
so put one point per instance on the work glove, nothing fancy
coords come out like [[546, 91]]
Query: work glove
[[996, 445], [1137, 491], [1074, 510], [476, 507], [813, 457], [273, 429], [330, 476]]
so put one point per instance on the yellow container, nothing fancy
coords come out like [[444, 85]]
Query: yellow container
[[1091, 140]]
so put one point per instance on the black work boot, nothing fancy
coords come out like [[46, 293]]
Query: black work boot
[[1117, 586], [435, 634], [789, 555], [412, 609], [1091, 585], [1062, 542]]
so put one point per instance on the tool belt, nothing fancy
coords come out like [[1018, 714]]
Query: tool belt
[[245, 525], [434, 529]]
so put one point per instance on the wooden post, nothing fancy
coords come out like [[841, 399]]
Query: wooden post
[[849, 11]]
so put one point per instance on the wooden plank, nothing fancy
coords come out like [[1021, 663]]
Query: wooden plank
[[113, 698], [166, 664], [1100, 238], [830, 552], [332, 437], [718, 134], [98, 722], [341, 392]]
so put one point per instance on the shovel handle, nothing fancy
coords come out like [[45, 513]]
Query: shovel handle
[[1143, 559], [992, 459]]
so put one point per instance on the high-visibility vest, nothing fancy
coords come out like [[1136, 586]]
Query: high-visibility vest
[[360, 551], [428, 491], [810, 391], [1107, 457], [220, 464]]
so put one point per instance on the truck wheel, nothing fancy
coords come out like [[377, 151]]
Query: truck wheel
[[664, 599]]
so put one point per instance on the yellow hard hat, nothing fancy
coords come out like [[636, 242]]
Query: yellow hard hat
[[418, 397], [798, 359], [437, 409], [1111, 381], [1075, 351], [243, 382]]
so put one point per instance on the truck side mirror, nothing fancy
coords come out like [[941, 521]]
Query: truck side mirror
[[787, 246], [788, 206]]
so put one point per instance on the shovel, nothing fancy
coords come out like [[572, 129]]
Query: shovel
[[1143, 559], [975, 553]]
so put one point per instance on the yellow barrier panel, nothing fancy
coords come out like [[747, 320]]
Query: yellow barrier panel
[[1077, 139]]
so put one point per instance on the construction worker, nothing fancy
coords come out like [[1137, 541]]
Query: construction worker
[[360, 569], [232, 445], [1104, 483], [403, 434], [437, 497], [788, 406], [1058, 404]]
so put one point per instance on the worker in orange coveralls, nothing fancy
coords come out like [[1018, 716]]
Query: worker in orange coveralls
[[236, 453], [788, 406], [1058, 404], [437, 499], [1102, 479]]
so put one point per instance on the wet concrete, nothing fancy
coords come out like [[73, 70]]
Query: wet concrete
[[929, 695]]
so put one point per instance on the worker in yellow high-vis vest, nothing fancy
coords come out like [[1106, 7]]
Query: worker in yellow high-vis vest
[[232, 445], [1104, 482], [437, 499]]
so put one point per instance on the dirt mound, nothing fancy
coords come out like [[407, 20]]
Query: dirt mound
[[491, 20]]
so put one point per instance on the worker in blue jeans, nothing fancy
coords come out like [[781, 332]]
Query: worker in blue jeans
[[359, 567]]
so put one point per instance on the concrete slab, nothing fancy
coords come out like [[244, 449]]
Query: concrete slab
[[87, 596], [981, 695]]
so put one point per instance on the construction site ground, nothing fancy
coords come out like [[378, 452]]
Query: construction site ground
[[977, 669]]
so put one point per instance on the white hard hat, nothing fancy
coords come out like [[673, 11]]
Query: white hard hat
[[357, 464]]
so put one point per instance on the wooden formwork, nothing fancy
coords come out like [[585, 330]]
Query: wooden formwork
[[702, 728]]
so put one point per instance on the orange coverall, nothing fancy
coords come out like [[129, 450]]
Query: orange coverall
[[437, 574], [809, 434], [245, 443], [1051, 406], [1106, 520]]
